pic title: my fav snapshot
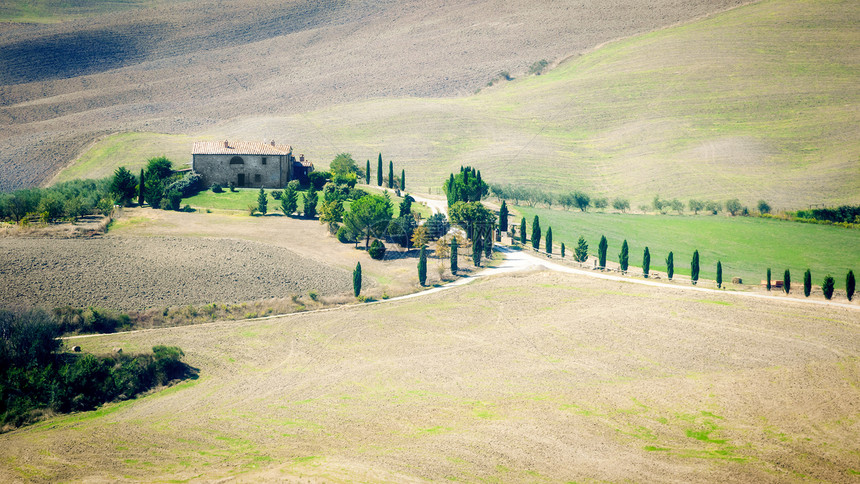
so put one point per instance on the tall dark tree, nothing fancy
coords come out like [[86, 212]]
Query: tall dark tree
[[123, 185], [536, 233], [488, 245], [580, 253], [503, 217], [523, 231], [849, 284], [601, 252], [422, 266], [390, 174], [379, 170], [807, 283], [403, 179], [768, 278], [623, 256], [694, 267], [262, 202], [549, 240], [670, 265], [454, 265], [310, 202], [562, 250], [356, 280], [140, 189], [719, 275], [646, 262], [786, 282], [827, 286], [476, 251], [367, 173]]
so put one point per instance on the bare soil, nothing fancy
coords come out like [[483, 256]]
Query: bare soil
[[537, 377], [191, 65]]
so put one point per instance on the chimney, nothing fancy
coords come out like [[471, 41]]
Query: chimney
[[273, 142], [302, 157], [225, 144]]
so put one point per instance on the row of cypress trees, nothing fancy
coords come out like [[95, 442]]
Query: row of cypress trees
[[379, 177], [827, 285]]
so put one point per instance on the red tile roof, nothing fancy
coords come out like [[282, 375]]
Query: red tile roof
[[239, 148]]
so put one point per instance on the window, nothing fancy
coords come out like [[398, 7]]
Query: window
[[264, 160], [236, 160], [257, 178]]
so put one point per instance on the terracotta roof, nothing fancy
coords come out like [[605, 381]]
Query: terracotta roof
[[238, 148]]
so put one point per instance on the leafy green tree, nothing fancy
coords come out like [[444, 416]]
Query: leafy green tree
[[646, 262], [379, 170], [601, 202], [694, 267], [523, 231], [466, 186], [601, 252], [289, 200], [158, 171], [343, 164], [582, 200], [827, 286], [331, 212], [786, 282], [734, 206], [763, 207], [262, 202], [310, 203], [768, 278], [807, 283], [403, 179], [476, 251], [696, 205], [406, 205], [376, 250], [422, 266], [670, 265], [140, 186], [473, 217], [390, 174], [621, 204], [623, 256], [719, 275], [536, 233], [580, 253], [367, 173], [562, 250], [454, 265], [549, 240], [849, 285], [503, 217], [368, 215], [356, 279]]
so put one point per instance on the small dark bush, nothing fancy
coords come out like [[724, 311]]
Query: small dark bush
[[827, 286], [189, 185], [231, 186], [376, 250], [344, 236], [216, 188]]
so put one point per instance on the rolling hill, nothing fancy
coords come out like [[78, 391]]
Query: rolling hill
[[187, 67]]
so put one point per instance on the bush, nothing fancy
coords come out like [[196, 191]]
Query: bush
[[437, 225], [164, 204], [174, 199], [189, 185], [344, 236], [827, 286], [231, 186], [538, 67], [89, 320], [216, 188], [376, 250], [763, 207], [318, 179]]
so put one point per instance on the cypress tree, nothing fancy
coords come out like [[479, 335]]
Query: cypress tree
[[379, 171], [807, 283], [622, 257], [422, 266], [768, 278], [403, 179], [488, 245], [694, 267], [719, 275], [646, 262], [536, 233], [549, 241], [523, 231], [390, 174], [827, 287], [849, 285], [356, 280], [670, 265], [786, 282], [476, 251], [367, 174], [503, 217], [562, 250], [454, 255], [140, 189], [601, 252], [580, 253], [262, 202]]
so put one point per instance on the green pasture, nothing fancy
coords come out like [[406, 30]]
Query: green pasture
[[746, 246], [50, 11]]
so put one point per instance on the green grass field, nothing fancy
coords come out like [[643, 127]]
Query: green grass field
[[746, 246], [49, 11]]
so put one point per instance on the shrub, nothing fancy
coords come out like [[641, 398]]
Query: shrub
[[694, 268], [786, 282], [344, 236], [763, 207], [310, 202], [231, 186], [318, 179], [276, 194], [174, 199], [807, 283], [670, 265], [849, 285], [538, 67], [262, 202], [189, 185], [216, 188], [376, 250], [437, 225], [827, 287], [164, 204]]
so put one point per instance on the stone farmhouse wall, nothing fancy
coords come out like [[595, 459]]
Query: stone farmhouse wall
[[267, 171]]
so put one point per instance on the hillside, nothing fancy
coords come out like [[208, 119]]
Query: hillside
[[188, 67]]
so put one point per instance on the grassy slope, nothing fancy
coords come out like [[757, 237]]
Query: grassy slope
[[49, 11], [746, 246], [758, 102]]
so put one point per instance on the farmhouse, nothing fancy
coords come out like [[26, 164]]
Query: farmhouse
[[248, 164]]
